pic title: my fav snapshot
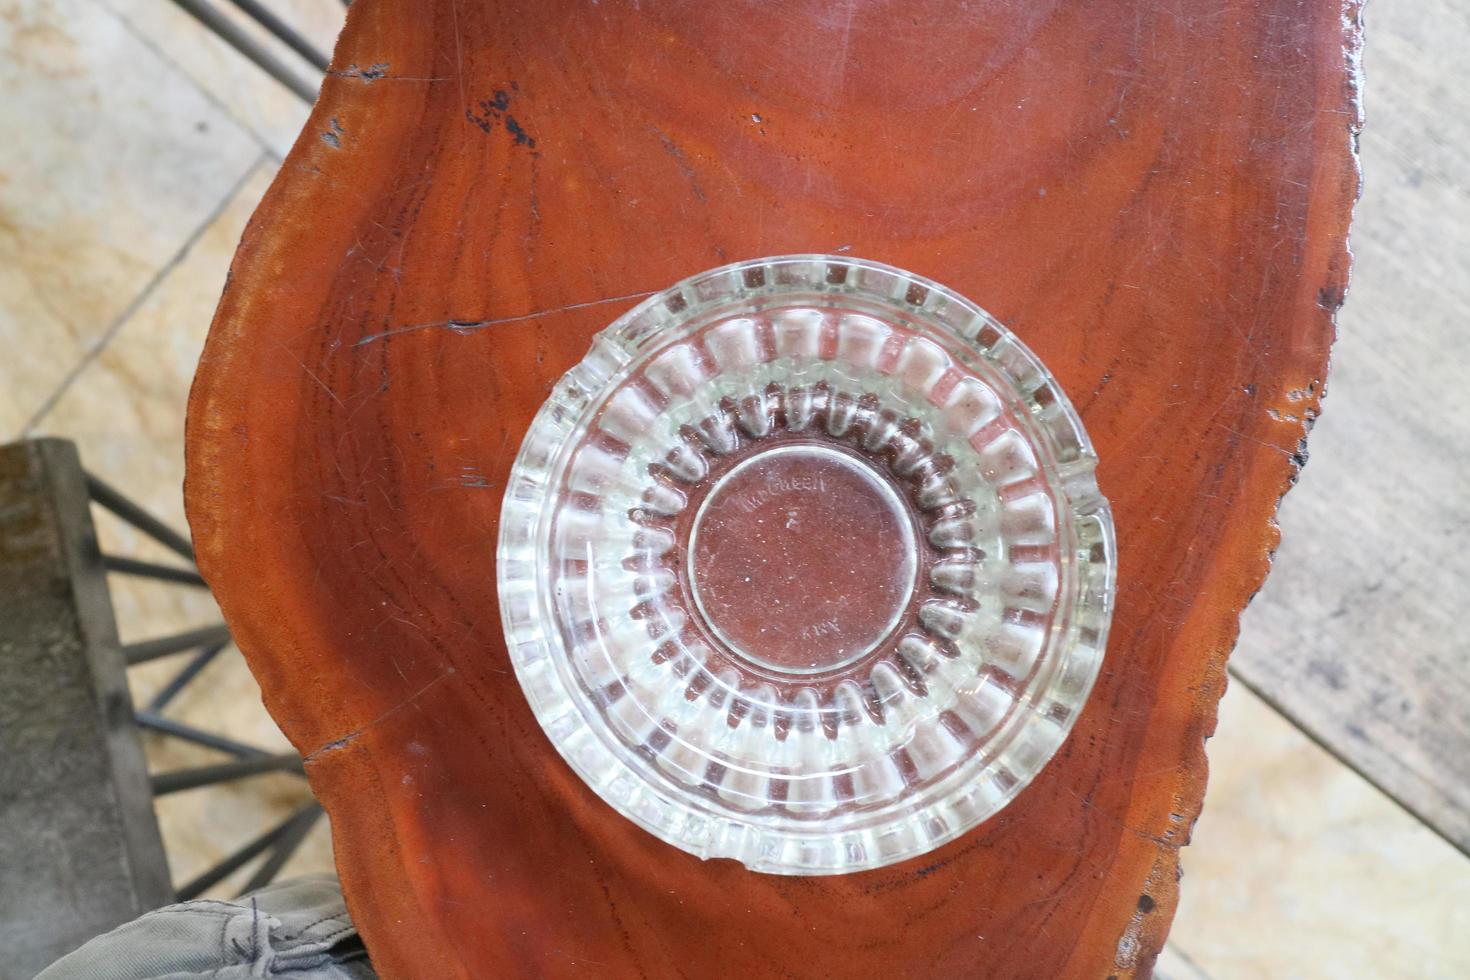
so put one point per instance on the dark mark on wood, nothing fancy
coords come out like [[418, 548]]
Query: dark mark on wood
[[496, 109], [369, 74], [672, 149], [521, 136]]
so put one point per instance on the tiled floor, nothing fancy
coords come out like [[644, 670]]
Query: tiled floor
[[149, 142], [1300, 868]]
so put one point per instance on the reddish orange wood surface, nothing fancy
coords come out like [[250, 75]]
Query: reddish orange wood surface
[[1154, 196]]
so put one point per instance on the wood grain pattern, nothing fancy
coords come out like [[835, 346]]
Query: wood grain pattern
[[1155, 199]]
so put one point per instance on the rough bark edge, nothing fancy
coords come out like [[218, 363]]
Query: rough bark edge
[[1143, 940]]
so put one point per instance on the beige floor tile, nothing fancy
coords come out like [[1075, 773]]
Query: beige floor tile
[[248, 94], [125, 410], [1300, 868], [117, 162], [202, 826], [1174, 964]]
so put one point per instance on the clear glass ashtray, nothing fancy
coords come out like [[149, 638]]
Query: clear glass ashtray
[[805, 565]]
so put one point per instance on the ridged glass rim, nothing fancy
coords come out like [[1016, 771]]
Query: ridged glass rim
[[682, 818]]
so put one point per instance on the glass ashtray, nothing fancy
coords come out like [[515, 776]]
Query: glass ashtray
[[805, 565]]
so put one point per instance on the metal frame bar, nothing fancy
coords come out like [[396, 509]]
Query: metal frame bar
[[181, 680], [229, 865], [182, 779], [232, 34], [286, 845], [146, 650], [180, 730], [286, 838], [148, 569], [284, 33], [283, 840], [110, 499]]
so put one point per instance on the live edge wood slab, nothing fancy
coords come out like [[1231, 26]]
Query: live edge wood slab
[[1155, 197]]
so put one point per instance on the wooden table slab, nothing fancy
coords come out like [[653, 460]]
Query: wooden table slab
[[1156, 199]]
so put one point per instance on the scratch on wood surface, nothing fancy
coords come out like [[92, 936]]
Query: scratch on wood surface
[[378, 72], [462, 326], [837, 71], [313, 376], [366, 75], [458, 54], [353, 735], [685, 169]]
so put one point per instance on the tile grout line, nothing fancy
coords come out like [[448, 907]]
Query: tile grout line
[[118, 322], [1176, 949], [224, 110], [1275, 705]]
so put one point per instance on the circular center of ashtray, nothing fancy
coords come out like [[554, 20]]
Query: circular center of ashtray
[[802, 559]]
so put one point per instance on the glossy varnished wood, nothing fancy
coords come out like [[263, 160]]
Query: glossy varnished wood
[[1155, 197]]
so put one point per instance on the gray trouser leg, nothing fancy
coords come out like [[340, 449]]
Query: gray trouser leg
[[297, 929]]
